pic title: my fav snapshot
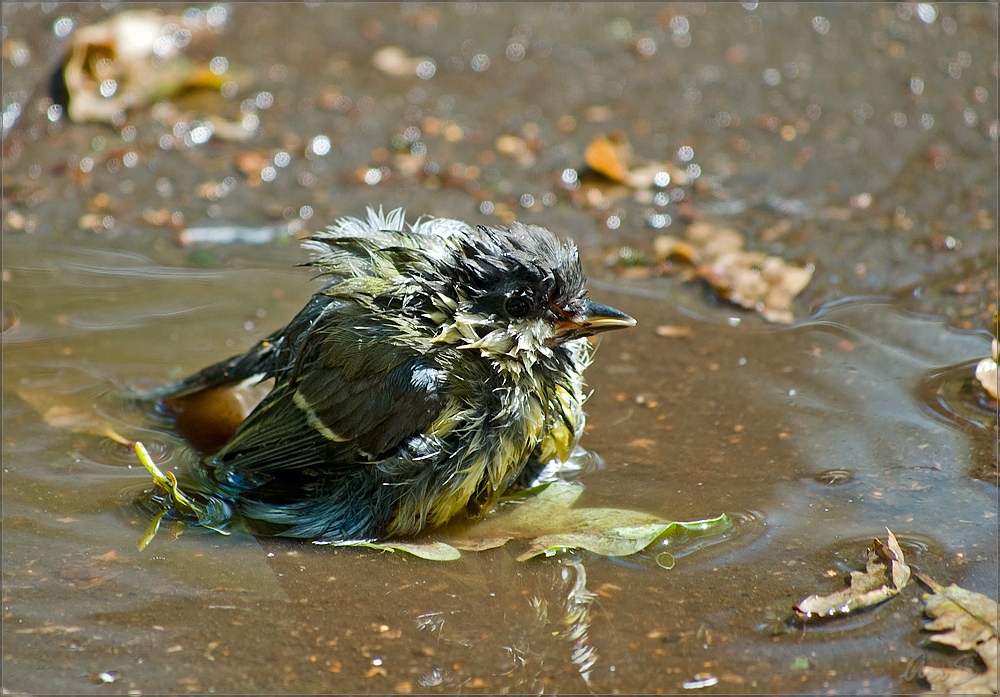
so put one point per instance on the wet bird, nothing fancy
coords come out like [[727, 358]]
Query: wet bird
[[439, 364]]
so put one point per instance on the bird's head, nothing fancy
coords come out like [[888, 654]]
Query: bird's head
[[514, 294], [517, 293]]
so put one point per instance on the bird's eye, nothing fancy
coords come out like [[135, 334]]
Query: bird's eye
[[517, 307]]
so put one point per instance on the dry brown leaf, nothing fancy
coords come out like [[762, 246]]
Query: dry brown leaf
[[613, 157], [765, 284], [130, 60], [885, 574], [667, 246], [966, 621], [608, 157]]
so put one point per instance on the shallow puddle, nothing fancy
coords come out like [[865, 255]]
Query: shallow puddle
[[860, 141], [815, 438]]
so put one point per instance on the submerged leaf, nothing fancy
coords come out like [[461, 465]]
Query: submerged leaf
[[433, 551], [610, 542], [552, 525], [969, 622], [884, 576], [544, 516], [71, 411]]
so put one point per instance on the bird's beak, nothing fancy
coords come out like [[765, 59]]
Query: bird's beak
[[593, 318]]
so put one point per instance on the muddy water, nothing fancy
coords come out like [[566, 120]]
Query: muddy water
[[814, 437]]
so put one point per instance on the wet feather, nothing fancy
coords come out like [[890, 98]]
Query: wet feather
[[429, 371]]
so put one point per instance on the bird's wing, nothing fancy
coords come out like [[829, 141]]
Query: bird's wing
[[350, 399]]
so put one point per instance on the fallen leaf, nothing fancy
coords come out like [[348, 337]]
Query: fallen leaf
[[885, 574], [515, 147], [754, 280], [210, 512], [608, 157], [552, 525], [966, 621], [78, 419], [11, 319], [544, 516], [129, 60], [251, 163], [157, 217], [613, 157]]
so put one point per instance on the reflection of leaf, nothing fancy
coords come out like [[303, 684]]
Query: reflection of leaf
[[969, 622], [884, 576], [552, 525]]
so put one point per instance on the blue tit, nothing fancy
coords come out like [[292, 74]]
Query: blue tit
[[439, 364]]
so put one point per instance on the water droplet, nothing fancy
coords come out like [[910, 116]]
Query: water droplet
[[320, 145], [480, 62], [62, 27], [219, 65]]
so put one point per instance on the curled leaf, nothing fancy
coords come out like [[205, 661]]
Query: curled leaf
[[176, 499], [885, 574], [129, 60], [754, 280], [966, 621]]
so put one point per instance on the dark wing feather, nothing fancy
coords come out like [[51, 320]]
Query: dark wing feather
[[356, 399]]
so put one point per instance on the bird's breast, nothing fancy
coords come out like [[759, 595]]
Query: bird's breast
[[490, 428], [490, 439]]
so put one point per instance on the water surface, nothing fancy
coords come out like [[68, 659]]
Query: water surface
[[813, 437]]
